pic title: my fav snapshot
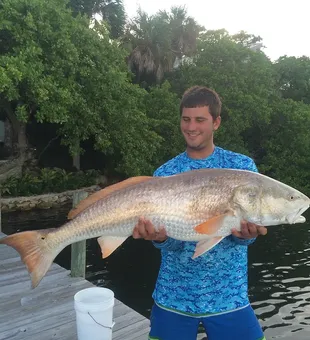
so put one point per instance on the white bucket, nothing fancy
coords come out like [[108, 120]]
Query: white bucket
[[94, 313]]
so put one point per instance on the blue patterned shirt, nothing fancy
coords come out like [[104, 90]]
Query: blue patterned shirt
[[216, 281]]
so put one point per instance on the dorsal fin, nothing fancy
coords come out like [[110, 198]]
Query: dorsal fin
[[105, 192]]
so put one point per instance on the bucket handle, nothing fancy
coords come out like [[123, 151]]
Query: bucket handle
[[110, 327]]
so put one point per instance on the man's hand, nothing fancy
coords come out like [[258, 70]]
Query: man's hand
[[145, 229], [249, 230]]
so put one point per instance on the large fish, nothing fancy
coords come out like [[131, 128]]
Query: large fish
[[199, 205]]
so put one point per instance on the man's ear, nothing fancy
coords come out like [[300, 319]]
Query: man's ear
[[217, 123]]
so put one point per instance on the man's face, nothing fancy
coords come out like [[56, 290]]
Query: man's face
[[197, 126]]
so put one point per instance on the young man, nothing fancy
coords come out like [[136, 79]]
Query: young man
[[211, 289]]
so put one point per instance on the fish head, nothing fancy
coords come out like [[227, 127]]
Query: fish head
[[284, 205], [269, 202]]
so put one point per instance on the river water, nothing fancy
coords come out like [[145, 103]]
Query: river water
[[279, 271]]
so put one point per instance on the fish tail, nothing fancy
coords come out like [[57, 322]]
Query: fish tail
[[34, 251]]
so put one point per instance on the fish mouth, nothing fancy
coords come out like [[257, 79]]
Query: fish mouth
[[297, 217]]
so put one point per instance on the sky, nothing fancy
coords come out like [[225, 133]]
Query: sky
[[284, 25]]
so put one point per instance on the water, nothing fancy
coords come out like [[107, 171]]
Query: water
[[279, 281], [279, 268]]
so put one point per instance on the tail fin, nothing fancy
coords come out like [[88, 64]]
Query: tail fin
[[34, 251]]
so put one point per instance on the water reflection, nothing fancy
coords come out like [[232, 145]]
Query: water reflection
[[278, 272], [279, 282]]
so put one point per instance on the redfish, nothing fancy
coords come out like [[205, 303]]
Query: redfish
[[199, 205]]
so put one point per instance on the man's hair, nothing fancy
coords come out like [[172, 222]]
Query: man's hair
[[199, 96]]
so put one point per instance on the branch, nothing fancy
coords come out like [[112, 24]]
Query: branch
[[47, 146]]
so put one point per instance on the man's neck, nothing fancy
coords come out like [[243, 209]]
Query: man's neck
[[200, 154]]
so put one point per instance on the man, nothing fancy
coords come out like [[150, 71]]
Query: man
[[212, 288]]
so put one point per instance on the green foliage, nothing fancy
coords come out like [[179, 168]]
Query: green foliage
[[48, 180], [287, 144], [162, 106], [49, 64], [111, 11], [58, 70], [86, 7], [293, 78], [133, 141], [246, 39], [155, 42]]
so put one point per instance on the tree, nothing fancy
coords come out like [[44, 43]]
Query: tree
[[55, 69], [162, 107], [148, 47], [293, 77], [246, 39], [184, 31], [287, 144], [86, 7], [244, 80], [111, 11], [154, 43]]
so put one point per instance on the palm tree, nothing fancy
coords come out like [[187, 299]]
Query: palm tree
[[155, 42], [184, 32], [111, 11], [147, 40]]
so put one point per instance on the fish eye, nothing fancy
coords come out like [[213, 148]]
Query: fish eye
[[294, 197]]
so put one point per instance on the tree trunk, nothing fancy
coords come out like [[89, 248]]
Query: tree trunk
[[14, 166], [77, 158], [19, 131], [22, 143], [8, 137], [77, 161]]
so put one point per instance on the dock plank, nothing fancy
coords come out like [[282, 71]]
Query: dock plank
[[42, 307]]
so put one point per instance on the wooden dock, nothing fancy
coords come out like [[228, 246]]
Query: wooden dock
[[47, 312]]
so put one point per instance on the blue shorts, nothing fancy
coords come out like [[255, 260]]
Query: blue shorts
[[241, 324]]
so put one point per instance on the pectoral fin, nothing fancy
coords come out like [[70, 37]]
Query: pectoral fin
[[212, 225], [205, 245], [109, 244]]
